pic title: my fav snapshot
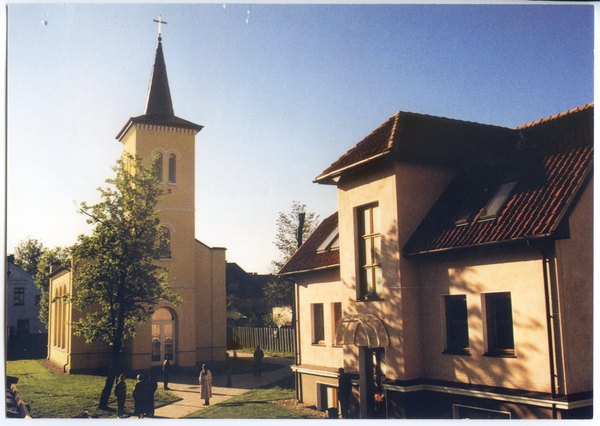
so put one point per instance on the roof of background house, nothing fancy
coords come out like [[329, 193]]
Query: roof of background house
[[308, 257], [538, 202]]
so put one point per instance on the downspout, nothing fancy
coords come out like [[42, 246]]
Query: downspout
[[297, 334], [549, 324]]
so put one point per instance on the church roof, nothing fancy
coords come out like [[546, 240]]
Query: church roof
[[159, 106], [158, 100]]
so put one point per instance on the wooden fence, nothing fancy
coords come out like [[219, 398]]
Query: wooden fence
[[269, 338]]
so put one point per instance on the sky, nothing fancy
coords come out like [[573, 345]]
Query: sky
[[281, 90]]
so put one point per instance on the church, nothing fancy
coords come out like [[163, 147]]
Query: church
[[194, 332]]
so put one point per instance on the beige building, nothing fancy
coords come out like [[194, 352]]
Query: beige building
[[455, 280], [194, 331]]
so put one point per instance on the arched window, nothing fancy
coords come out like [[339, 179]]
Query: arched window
[[165, 244], [172, 169], [159, 167]]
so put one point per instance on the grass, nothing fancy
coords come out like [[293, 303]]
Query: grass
[[255, 404], [66, 396]]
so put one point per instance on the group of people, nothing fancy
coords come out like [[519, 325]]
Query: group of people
[[146, 385], [143, 395]]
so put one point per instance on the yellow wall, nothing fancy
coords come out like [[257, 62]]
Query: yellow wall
[[518, 271], [210, 309], [405, 194], [323, 287]]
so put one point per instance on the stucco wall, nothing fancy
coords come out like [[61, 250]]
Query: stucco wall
[[405, 193], [575, 277], [474, 274], [320, 287]]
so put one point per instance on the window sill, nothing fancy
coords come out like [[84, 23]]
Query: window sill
[[500, 354], [369, 298], [457, 352], [318, 344]]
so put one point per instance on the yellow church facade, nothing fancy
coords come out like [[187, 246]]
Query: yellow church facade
[[193, 332]]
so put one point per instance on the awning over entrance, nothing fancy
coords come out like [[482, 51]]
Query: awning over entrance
[[364, 330]]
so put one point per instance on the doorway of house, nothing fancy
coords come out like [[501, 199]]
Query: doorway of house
[[163, 336]]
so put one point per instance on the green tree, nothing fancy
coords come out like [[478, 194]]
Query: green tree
[[116, 278], [28, 254], [292, 230], [287, 238]]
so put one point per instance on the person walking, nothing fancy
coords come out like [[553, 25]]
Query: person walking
[[152, 386], [205, 384], [120, 393], [140, 396], [166, 370], [258, 357], [344, 392]]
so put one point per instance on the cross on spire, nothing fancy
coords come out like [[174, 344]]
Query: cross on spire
[[160, 21]]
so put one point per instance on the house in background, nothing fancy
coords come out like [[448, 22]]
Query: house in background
[[458, 283], [245, 295], [25, 334]]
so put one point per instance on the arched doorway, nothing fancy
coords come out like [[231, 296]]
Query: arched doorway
[[163, 336]]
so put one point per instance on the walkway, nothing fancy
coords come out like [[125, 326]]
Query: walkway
[[187, 387]]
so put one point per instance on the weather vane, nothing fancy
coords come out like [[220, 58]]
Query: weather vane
[[160, 21]]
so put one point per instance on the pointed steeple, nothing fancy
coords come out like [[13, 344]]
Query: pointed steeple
[[158, 100], [159, 107]]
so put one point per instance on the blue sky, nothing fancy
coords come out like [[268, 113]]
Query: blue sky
[[282, 90]]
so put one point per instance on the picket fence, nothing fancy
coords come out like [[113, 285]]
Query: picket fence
[[269, 338]]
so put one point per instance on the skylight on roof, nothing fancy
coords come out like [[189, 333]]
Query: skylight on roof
[[332, 242], [497, 201]]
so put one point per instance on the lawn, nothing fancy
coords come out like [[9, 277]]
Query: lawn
[[53, 396], [255, 404]]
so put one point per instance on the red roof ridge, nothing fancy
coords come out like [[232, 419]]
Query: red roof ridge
[[393, 133], [554, 117]]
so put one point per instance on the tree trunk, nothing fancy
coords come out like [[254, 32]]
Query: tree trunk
[[110, 378], [115, 364]]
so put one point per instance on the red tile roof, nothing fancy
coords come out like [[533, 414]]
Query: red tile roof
[[423, 138], [536, 206], [306, 257]]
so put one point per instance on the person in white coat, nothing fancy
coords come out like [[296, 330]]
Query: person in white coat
[[205, 384]]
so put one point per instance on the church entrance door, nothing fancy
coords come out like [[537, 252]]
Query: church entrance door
[[163, 336]]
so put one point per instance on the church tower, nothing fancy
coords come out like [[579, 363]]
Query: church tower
[[158, 132], [194, 332]]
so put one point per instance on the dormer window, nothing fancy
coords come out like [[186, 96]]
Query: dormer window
[[332, 242]]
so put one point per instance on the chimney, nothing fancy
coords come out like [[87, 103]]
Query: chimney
[[10, 258], [300, 227], [54, 266]]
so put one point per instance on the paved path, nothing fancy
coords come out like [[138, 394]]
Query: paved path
[[187, 387]]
